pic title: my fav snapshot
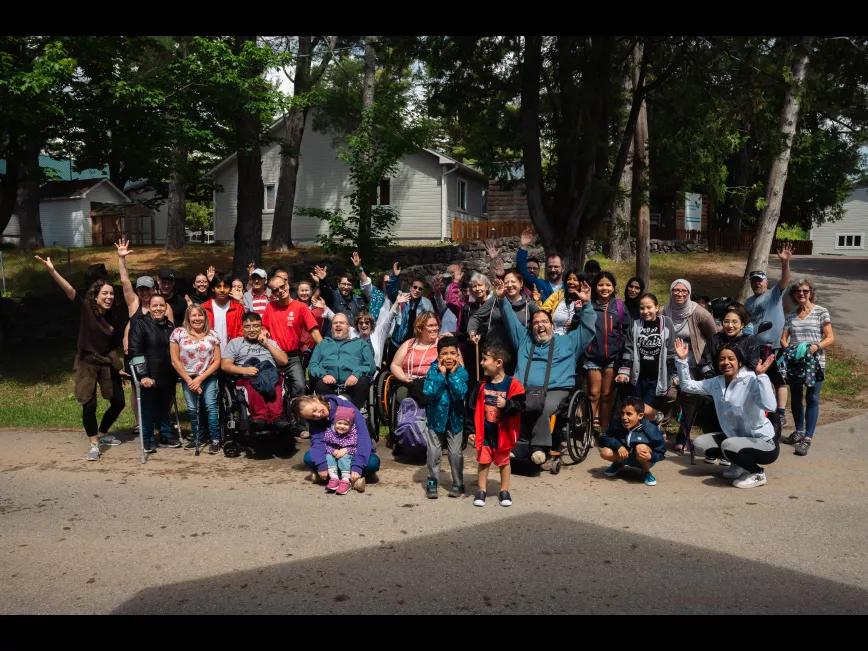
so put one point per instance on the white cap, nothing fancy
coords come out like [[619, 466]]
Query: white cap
[[261, 273]]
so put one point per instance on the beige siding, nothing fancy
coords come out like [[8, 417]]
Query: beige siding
[[855, 221], [415, 189], [161, 214], [105, 193], [66, 223]]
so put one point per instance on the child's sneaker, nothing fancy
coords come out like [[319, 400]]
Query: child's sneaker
[[613, 470], [431, 489], [479, 499], [343, 488], [650, 480], [505, 498], [333, 484]]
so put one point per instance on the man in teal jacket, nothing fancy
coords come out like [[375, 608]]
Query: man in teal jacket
[[341, 360], [547, 369]]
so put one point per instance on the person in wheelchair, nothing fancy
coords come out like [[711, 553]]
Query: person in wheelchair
[[340, 361], [546, 367], [251, 361], [635, 441]]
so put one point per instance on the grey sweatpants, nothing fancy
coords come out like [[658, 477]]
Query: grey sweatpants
[[745, 452], [435, 454]]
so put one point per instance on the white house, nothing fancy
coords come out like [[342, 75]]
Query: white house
[[143, 192], [428, 190], [847, 235], [65, 209]]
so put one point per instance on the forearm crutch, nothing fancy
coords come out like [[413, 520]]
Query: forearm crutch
[[138, 389]]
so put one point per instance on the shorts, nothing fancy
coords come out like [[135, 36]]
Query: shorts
[[591, 365], [646, 391], [775, 376], [486, 454]]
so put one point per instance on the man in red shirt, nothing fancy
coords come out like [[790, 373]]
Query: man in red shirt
[[286, 319]]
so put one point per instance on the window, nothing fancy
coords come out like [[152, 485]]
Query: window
[[849, 240], [384, 196], [270, 195], [462, 195]]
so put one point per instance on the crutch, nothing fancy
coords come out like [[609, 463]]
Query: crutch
[[137, 388]]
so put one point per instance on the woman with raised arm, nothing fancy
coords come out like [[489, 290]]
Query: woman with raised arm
[[741, 398], [96, 363]]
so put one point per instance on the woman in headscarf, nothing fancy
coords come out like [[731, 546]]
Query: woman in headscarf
[[695, 326], [632, 291]]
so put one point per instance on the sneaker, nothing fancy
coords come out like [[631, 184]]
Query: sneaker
[[793, 438], [151, 447], [505, 498], [343, 487], [191, 445], [479, 498], [456, 491], [360, 484], [751, 481], [109, 439], [803, 446], [170, 443], [538, 457], [333, 484], [431, 489], [711, 460], [612, 470], [734, 472], [214, 447], [93, 454], [724, 462], [650, 480]]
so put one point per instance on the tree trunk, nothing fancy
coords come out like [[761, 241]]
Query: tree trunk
[[177, 203], [365, 202], [641, 182], [735, 209], [27, 196], [768, 222], [9, 187], [618, 246], [248, 226]]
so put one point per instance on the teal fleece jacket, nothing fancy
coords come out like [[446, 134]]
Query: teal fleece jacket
[[342, 358]]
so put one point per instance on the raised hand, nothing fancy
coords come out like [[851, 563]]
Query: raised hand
[[534, 292], [585, 293], [526, 237], [211, 273], [681, 348], [763, 366], [436, 284], [46, 261], [491, 248], [403, 297], [499, 288], [319, 272], [318, 302], [356, 259], [396, 268], [785, 253], [123, 247]]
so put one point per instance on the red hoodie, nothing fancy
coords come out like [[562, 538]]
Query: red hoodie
[[509, 425], [234, 315]]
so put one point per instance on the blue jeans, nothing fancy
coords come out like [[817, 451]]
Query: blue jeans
[[155, 404], [805, 415], [372, 467], [344, 465], [208, 397]]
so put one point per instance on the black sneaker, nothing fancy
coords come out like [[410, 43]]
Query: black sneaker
[[803, 445], [456, 491], [431, 489], [505, 498], [479, 498], [170, 443], [192, 445], [151, 447], [214, 448]]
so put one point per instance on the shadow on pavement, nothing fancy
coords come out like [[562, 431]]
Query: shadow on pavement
[[534, 563]]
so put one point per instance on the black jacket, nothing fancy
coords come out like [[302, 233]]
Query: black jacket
[[150, 338]]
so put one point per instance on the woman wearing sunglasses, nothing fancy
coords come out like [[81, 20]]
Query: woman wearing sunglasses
[[809, 327]]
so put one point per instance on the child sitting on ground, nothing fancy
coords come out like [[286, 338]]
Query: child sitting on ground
[[635, 442], [340, 441], [445, 388], [497, 420]]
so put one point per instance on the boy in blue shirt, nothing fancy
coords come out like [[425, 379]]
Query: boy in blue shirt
[[635, 441]]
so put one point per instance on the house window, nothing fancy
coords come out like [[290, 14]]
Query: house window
[[384, 196], [462, 195], [850, 240], [270, 196]]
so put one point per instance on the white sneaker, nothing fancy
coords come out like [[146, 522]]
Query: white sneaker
[[93, 455], [538, 457], [734, 472], [751, 481], [724, 462]]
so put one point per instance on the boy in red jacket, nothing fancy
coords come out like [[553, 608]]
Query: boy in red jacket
[[497, 420]]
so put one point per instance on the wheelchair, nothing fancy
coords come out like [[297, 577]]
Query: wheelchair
[[238, 433]]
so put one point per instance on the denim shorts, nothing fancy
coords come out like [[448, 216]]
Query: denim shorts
[[591, 365], [646, 390]]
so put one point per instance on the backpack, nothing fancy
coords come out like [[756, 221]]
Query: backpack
[[410, 429]]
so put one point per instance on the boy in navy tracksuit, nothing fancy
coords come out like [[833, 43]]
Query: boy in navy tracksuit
[[634, 441]]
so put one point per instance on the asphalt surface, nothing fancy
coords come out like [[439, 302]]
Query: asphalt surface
[[214, 535]]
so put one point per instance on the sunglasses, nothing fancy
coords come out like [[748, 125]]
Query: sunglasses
[[802, 291], [364, 321], [281, 289], [418, 287]]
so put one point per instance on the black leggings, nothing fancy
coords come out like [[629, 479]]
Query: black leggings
[[116, 406]]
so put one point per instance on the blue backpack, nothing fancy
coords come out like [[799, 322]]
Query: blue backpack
[[410, 429]]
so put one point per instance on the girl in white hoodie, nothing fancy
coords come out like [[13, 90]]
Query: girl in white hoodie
[[741, 399]]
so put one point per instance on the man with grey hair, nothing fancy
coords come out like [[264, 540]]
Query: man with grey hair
[[340, 361]]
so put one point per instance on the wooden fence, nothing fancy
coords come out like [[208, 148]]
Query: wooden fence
[[467, 230]]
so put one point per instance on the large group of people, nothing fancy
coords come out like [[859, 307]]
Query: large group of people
[[491, 355]]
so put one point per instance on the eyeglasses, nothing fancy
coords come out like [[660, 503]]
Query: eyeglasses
[[680, 291], [281, 289], [418, 287], [364, 321], [251, 326], [802, 291]]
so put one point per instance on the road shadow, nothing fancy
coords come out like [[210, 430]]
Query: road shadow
[[530, 563]]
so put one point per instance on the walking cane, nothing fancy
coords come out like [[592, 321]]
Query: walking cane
[[137, 387]]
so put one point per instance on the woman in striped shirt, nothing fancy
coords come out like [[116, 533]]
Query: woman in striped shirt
[[811, 324]]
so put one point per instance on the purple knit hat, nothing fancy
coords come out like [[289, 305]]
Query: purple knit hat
[[345, 413]]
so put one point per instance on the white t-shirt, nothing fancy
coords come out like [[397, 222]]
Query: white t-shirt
[[220, 321]]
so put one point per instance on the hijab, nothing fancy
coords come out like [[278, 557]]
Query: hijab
[[633, 303], [679, 313]]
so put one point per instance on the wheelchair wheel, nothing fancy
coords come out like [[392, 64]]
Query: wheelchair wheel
[[231, 449], [381, 395], [578, 430]]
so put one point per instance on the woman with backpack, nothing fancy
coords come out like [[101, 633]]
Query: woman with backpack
[[605, 349]]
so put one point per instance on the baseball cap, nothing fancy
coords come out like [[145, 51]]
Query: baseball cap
[[145, 281], [167, 274], [261, 273], [757, 274]]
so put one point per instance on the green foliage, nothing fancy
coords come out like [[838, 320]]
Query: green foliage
[[199, 216], [792, 232]]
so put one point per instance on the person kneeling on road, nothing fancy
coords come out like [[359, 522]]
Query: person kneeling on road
[[635, 441]]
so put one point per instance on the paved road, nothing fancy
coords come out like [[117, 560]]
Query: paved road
[[216, 535], [842, 287]]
